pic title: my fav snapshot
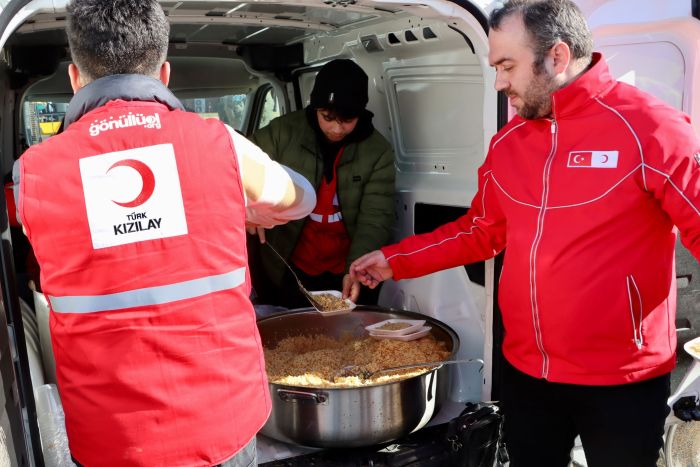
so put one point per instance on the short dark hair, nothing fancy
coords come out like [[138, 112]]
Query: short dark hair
[[549, 21], [109, 37]]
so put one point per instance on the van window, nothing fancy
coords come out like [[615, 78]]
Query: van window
[[230, 109], [306, 81], [41, 119], [270, 108]]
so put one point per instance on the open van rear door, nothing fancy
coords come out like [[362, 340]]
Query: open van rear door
[[19, 432]]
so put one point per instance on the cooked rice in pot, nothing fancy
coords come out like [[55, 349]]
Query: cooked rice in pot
[[318, 360]]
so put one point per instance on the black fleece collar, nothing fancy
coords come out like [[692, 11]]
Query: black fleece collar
[[125, 87]]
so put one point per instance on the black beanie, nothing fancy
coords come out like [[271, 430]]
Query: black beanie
[[340, 86]]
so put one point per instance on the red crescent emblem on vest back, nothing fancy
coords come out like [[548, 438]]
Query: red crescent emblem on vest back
[[147, 177]]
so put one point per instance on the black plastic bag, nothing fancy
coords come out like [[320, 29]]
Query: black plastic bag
[[474, 436]]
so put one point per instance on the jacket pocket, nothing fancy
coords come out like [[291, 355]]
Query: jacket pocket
[[636, 311]]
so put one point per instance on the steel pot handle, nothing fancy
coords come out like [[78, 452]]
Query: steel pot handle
[[288, 395], [430, 385]]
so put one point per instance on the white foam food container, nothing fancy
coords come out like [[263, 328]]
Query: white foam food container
[[421, 332], [693, 348], [413, 325], [349, 305]]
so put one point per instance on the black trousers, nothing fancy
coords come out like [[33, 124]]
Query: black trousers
[[620, 426]]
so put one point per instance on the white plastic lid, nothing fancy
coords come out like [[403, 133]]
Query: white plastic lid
[[409, 326]]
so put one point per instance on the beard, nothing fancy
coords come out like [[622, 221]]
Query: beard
[[537, 98]]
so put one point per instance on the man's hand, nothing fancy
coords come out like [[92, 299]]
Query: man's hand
[[351, 288], [371, 269], [253, 229]]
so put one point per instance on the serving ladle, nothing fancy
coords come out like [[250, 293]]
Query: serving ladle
[[315, 303]]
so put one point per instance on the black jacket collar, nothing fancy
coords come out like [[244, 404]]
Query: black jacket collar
[[124, 87]]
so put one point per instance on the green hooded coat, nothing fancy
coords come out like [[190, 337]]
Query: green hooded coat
[[365, 187]]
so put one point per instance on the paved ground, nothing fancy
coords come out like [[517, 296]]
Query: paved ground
[[688, 315]]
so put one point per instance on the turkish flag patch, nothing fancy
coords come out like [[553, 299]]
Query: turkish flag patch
[[593, 159]]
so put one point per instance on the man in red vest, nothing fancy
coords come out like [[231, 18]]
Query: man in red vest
[[137, 214]]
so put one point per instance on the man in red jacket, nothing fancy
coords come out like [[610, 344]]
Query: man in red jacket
[[585, 190], [137, 214]]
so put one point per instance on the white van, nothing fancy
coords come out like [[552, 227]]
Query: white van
[[432, 95]]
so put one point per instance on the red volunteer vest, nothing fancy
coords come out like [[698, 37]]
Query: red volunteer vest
[[139, 231], [324, 242]]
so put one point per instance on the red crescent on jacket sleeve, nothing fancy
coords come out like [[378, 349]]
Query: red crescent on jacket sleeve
[[147, 177]]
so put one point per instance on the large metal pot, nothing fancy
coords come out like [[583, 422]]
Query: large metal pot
[[350, 417]]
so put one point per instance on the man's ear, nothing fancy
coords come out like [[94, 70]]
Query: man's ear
[[74, 76], [560, 56], [164, 74]]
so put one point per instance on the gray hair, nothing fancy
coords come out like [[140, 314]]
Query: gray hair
[[547, 22]]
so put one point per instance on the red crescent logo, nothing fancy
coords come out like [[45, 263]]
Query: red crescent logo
[[147, 177]]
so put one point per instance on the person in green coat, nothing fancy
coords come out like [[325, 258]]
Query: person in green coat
[[332, 143]]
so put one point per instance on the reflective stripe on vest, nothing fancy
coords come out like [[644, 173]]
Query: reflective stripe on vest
[[149, 295], [337, 217]]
